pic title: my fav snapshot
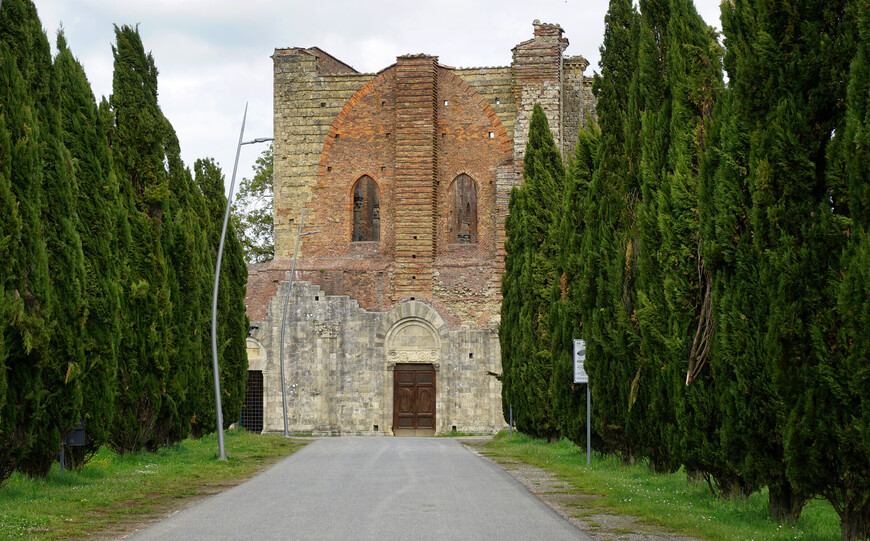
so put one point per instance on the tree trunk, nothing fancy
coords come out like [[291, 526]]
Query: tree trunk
[[855, 520], [695, 476], [784, 504]]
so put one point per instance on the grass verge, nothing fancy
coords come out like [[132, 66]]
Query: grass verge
[[666, 501], [114, 493]]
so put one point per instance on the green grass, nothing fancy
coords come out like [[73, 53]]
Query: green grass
[[667, 501], [113, 492]]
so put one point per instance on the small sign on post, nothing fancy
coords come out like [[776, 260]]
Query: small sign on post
[[580, 375]]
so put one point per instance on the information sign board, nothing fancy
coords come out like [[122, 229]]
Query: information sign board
[[580, 375]]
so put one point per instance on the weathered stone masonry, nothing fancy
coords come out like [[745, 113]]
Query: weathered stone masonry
[[425, 155]]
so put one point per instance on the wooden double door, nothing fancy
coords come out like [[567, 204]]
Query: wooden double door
[[414, 400]]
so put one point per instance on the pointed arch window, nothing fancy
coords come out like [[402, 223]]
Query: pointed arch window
[[366, 211], [463, 210]]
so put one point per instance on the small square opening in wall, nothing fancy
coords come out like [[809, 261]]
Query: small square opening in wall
[[383, 168], [446, 103], [383, 104], [497, 101], [375, 428], [470, 355], [336, 136], [323, 104], [412, 298], [413, 256], [415, 237], [413, 277], [492, 135], [317, 297], [389, 135], [453, 429], [328, 168]]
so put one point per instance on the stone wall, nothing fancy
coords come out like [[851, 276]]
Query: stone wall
[[339, 361]]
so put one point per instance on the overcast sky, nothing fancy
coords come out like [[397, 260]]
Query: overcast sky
[[213, 56]]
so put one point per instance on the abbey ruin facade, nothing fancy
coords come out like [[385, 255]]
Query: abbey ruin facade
[[405, 175]]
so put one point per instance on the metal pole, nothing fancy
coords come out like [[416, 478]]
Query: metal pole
[[588, 426], [222, 455]]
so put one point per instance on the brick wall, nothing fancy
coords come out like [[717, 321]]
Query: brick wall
[[413, 129], [537, 78]]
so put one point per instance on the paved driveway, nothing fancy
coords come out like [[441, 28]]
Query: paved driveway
[[372, 488]]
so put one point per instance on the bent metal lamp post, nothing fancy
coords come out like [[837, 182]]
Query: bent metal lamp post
[[222, 455], [299, 236]]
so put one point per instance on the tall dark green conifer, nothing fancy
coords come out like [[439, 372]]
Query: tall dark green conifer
[[137, 149], [99, 210], [569, 401], [774, 242], [184, 245], [680, 79], [232, 328], [25, 71], [606, 302], [11, 250], [826, 436], [62, 375], [651, 423], [532, 271]]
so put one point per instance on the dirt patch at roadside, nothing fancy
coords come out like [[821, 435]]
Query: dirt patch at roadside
[[580, 510]]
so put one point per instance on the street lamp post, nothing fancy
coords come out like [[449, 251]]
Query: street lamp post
[[299, 236], [222, 455]]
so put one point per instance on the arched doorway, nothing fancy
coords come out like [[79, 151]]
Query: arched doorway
[[413, 350]]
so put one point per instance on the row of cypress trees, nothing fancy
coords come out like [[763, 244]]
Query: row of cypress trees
[[709, 242], [107, 244]]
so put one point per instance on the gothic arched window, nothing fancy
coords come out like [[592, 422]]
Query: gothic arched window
[[366, 211], [463, 210]]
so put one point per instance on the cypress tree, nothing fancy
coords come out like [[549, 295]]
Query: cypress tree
[[693, 62], [533, 273], [62, 375], [25, 68], [774, 240], [232, 328], [99, 210], [183, 244], [606, 302], [569, 401], [10, 240], [680, 79], [11, 250], [137, 148], [513, 400], [824, 431], [651, 423], [854, 298]]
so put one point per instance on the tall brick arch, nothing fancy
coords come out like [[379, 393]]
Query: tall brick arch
[[468, 138]]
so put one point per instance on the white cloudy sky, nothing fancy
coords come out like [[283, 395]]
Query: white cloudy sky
[[214, 55]]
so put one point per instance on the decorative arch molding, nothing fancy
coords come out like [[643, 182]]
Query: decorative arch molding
[[408, 313], [257, 354]]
